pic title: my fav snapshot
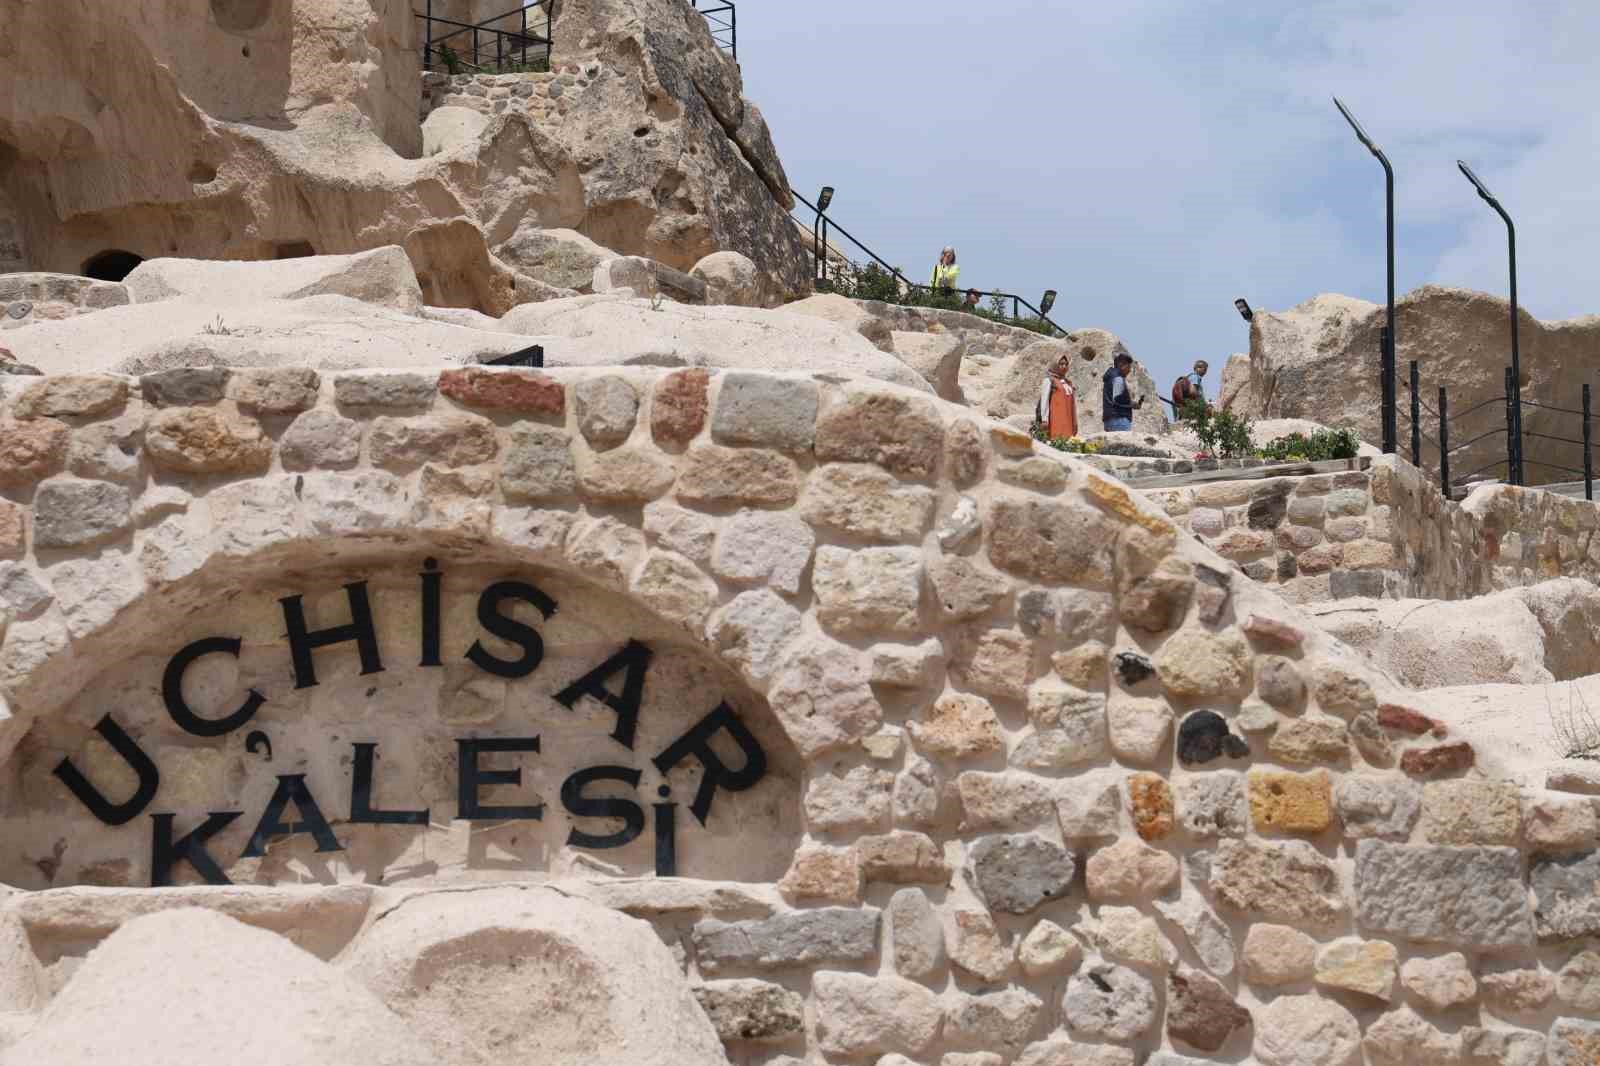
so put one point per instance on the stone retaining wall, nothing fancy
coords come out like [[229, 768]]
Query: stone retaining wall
[[35, 297], [539, 96], [1070, 792], [1387, 532]]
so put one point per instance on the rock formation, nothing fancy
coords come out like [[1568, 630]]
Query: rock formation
[[1319, 360], [255, 129], [1543, 633]]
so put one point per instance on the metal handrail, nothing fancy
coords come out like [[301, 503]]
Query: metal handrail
[[820, 250], [728, 38], [521, 40]]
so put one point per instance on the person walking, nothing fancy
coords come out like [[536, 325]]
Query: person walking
[[1117, 403], [1057, 409], [945, 271], [1189, 387]]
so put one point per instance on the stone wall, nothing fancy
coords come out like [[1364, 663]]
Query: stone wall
[[1387, 532], [1069, 790], [536, 95], [29, 298]]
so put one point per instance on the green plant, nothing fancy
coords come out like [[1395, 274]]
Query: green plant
[[536, 65], [1321, 444], [217, 328], [870, 282], [1076, 445], [1222, 434], [451, 61]]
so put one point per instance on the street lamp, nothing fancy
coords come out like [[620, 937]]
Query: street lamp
[[1046, 302], [819, 235], [1516, 360], [1390, 426], [1243, 309]]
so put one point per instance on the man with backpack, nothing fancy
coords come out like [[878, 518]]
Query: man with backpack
[[1189, 387], [1116, 402]]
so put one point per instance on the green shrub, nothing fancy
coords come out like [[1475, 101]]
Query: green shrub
[[1076, 445], [1322, 444], [1222, 434], [451, 61]]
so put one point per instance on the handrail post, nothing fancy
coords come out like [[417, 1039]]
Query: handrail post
[[1444, 443], [427, 47], [1511, 430], [1416, 416], [733, 31], [1588, 463]]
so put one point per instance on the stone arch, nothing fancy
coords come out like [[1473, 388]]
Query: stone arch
[[414, 718], [113, 264]]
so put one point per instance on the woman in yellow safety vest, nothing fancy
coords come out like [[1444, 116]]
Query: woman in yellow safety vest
[[945, 271]]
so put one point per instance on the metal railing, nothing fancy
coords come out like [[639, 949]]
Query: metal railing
[[1509, 406], [485, 47], [723, 21], [819, 234]]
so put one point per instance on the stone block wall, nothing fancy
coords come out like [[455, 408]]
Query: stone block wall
[[539, 96], [1071, 791], [1388, 532], [26, 298]]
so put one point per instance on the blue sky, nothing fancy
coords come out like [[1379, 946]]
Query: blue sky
[[1154, 159]]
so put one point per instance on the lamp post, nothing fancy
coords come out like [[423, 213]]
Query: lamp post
[[1390, 423], [1516, 360], [1046, 302], [819, 235], [1243, 308]]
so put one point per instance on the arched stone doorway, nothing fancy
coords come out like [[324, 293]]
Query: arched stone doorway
[[378, 714]]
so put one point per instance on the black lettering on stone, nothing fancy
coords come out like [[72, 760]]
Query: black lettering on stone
[[508, 628], [360, 629], [580, 806], [108, 812], [471, 778], [361, 808], [431, 581], [291, 789], [697, 743], [165, 853], [172, 690], [633, 657], [666, 839]]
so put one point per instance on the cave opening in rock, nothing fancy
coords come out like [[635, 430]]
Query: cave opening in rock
[[293, 250], [112, 264], [239, 16]]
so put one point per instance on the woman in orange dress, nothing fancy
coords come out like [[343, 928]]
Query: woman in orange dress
[[1058, 403]]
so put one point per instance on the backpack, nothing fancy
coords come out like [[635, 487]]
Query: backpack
[[1180, 393]]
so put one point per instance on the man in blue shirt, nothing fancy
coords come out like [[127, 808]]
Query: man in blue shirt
[[1116, 402]]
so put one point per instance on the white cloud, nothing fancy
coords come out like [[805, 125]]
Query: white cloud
[[1153, 159]]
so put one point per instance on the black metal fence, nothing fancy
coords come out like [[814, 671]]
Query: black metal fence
[[723, 21], [1499, 417], [516, 41], [824, 283]]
